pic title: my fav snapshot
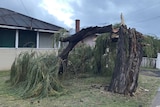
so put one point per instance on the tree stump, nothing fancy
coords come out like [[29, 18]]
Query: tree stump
[[129, 55]]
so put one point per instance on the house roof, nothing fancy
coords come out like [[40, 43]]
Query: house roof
[[12, 19]]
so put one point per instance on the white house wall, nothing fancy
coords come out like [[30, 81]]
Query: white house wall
[[90, 41], [7, 55], [45, 40]]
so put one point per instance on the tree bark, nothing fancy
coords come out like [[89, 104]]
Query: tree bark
[[74, 39], [129, 55]]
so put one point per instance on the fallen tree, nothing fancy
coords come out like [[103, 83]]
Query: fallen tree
[[36, 75], [129, 56]]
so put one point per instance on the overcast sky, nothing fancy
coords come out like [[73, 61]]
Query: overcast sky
[[143, 15]]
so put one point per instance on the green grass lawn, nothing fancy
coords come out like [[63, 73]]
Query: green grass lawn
[[83, 91]]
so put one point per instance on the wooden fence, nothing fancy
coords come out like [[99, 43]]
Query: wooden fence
[[148, 62]]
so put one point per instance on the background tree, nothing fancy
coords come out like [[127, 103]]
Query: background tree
[[152, 47]]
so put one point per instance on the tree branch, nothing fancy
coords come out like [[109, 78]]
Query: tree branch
[[74, 39]]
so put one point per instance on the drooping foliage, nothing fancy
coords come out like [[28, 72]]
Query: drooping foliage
[[56, 38], [98, 60], [80, 59], [36, 75], [104, 54]]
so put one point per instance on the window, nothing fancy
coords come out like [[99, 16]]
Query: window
[[27, 39], [45, 40], [7, 38]]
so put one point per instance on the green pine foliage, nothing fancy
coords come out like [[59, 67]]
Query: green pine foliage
[[36, 75]]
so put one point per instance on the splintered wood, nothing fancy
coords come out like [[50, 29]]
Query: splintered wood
[[129, 56]]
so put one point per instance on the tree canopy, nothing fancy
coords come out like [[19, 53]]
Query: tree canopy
[[152, 47]]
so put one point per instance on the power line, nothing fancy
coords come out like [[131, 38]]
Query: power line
[[27, 13], [142, 10], [146, 20], [24, 7]]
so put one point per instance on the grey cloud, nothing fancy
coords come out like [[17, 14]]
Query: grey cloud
[[31, 8], [138, 14]]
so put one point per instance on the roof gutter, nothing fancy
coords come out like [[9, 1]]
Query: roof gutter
[[49, 31], [23, 28], [12, 27]]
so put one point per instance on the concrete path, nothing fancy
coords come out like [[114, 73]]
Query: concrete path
[[156, 100]]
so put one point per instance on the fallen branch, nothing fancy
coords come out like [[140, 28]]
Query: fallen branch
[[74, 39]]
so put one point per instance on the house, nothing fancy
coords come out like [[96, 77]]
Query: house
[[20, 33], [89, 41]]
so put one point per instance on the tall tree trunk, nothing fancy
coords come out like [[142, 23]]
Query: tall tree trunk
[[128, 60]]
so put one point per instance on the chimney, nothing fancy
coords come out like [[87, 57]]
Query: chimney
[[77, 25]]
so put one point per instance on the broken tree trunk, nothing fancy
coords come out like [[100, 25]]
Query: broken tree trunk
[[74, 39], [129, 56]]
